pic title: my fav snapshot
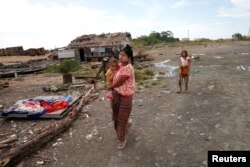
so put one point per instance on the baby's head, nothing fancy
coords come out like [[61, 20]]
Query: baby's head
[[113, 63]]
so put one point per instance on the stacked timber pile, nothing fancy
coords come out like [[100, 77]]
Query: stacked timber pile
[[35, 52]]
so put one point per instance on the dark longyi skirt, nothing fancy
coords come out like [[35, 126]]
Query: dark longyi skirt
[[122, 106]]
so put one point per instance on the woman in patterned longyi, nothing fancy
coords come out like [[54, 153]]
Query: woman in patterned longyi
[[123, 89]]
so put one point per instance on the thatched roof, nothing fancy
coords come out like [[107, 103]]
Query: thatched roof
[[94, 40]]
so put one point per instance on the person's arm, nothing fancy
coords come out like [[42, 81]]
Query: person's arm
[[121, 80], [189, 65], [189, 61]]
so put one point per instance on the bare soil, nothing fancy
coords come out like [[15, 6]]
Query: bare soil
[[19, 58], [169, 129]]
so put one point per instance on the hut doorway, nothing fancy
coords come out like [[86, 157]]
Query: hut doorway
[[82, 56]]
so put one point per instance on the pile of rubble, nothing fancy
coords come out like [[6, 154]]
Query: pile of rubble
[[141, 56]]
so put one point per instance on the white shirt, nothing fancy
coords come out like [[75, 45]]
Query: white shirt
[[184, 62]]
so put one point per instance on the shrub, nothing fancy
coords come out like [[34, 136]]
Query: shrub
[[149, 72], [141, 75], [69, 66], [65, 66]]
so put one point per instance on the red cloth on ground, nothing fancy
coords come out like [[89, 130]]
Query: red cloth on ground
[[55, 106]]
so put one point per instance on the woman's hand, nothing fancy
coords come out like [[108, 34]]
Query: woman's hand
[[110, 87]]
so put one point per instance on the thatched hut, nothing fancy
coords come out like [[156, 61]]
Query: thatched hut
[[94, 47]]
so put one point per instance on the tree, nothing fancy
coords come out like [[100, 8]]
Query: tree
[[155, 35], [237, 36], [156, 38]]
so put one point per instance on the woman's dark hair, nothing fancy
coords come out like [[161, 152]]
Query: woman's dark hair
[[184, 51], [128, 50]]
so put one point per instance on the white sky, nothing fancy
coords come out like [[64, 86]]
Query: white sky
[[49, 24]]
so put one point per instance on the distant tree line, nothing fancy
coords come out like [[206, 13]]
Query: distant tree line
[[239, 36], [156, 38]]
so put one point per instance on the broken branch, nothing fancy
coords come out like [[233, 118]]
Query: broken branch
[[10, 140]]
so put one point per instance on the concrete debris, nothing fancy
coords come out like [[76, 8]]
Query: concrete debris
[[196, 58], [40, 162], [50, 88], [166, 92], [141, 56], [211, 87], [60, 139], [13, 124], [204, 163], [245, 53], [92, 134], [218, 57], [209, 138], [243, 68], [55, 144]]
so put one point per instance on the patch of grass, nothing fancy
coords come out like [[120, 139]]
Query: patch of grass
[[149, 72], [53, 69], [66, 66], [140, 83], [142, 75], [148, 86], [86, 71], [155, 83]]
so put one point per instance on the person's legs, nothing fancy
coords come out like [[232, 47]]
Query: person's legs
[[186, 82], [111, 103], [122, 125], [122, 120], [180, 83]]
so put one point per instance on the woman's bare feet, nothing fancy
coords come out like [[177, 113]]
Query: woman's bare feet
[[121, 145]]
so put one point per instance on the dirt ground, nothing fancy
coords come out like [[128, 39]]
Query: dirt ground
[[169, 129], [13, 59]]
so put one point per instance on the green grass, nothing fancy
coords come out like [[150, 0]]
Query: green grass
[[53, 69], [142, 75], [66, 66], [86, 71], [155, 83], [149, 72]]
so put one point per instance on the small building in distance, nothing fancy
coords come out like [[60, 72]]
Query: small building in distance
[[185, 40], [95, 47]]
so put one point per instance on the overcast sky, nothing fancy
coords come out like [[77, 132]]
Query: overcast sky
[[54, 23]]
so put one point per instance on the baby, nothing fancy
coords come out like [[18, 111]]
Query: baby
[[113, 67]]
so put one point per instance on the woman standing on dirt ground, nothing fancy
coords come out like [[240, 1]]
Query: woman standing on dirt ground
[[123, 89], [184, 70]]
